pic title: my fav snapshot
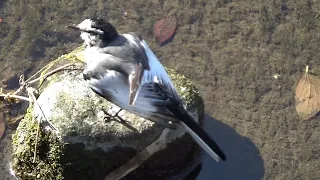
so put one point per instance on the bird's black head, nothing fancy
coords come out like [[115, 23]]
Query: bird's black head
[[95, 31]]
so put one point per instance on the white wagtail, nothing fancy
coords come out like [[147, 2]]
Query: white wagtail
[[122, 69]]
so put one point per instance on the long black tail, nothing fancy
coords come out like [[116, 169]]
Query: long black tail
[[198, 134]]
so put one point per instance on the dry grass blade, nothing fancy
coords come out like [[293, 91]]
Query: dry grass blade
[[2, 124], [308, 96]]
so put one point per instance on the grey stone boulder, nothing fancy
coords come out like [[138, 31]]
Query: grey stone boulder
[[85, 145]]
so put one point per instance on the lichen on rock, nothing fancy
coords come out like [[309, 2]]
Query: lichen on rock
[[84, 144]]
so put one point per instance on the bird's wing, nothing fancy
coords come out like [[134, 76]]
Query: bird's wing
[[133, 60], [151, 103], [140, 79], [135, 83], [153, 71], [139, 63], [101, 63], [141, 60]]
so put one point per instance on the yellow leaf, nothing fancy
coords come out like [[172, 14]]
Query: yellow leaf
[[308, 96]]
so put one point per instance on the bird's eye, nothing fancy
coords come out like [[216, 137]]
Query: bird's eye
[[98, 23]]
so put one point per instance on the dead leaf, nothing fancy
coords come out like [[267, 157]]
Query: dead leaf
[[2, 124], [164, 29], [308, 96]]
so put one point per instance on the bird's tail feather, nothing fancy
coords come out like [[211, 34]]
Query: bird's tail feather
[[197, 133]]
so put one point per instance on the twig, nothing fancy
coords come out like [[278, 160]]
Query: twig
[[18, 91], [34, 100], [37, 135], [140, 158], [37, 72], [15, 96], [23, 83], [50, 73]]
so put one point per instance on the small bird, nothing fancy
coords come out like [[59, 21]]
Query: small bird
[[122, 69]]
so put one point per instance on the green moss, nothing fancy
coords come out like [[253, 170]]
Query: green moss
[[85, 108], [49, 151], [57, 160]]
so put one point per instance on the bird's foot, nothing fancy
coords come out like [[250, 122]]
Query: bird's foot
[[119, 119], [116, 116]]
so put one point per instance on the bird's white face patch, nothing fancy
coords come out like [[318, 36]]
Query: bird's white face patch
[[86, 25]]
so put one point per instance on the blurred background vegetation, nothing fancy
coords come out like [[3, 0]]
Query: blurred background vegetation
[[231, 49]]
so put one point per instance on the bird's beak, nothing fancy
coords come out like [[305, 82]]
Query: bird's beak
[[92, 31], [75, 27]]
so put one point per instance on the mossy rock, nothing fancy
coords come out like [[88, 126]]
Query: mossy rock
[[87, 147]]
